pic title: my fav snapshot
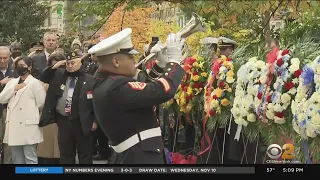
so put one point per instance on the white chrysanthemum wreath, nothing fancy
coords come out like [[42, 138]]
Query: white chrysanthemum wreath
[[306, 106], [248, 78], [281, 88]]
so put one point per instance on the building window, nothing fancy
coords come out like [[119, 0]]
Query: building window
[[48, 21]]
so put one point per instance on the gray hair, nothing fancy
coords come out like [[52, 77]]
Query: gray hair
[[49, 33], [5, 48], [16, 43]]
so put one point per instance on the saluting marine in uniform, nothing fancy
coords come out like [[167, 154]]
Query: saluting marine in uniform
[[150, 72], [124, 107]]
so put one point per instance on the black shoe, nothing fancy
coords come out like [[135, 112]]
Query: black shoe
[[98, 157]]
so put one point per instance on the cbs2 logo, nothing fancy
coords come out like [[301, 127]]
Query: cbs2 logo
[[274, 151]]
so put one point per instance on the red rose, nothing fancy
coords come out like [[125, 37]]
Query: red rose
[[221, 84], [212, 112], [185, 89], [216, 66], [214, 97], [182, 86], [288, 85], [259, 96], [297, 73], [195, 73], [279, 114], [187, 68], [229, 59], [269, 98], [279, 62], [197, 85], [279, 73], [189, 60], [284, 52], [188, 98]]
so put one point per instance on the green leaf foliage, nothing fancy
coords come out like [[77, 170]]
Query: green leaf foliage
[[22, 20]]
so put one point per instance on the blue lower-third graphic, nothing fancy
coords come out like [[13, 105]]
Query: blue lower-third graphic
[[39, 170]]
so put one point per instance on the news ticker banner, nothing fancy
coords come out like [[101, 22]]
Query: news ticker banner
[[169, 170], [134, 170]]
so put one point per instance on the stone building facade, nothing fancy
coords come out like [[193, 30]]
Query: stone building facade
[[169, 12]]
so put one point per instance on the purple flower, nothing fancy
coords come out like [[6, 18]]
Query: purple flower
[[307, 75]]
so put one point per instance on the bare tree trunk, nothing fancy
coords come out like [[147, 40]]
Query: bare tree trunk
[[266, 26]]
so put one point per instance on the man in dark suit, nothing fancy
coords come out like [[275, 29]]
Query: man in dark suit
[[36, 48], [16, 50], [6, 74], [69, 101], [50, 43]]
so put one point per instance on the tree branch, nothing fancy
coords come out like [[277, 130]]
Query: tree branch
[[272, 14], [124, 12], [221, 9], [108, 16]]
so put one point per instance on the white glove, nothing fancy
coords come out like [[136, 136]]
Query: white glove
[[174, 48], [161, 54]]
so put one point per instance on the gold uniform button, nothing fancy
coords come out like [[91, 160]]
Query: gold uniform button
[[166, 74], [169, 69], [158, 150], [171, 64]]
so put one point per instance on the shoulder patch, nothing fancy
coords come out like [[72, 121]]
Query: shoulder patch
[[137, 85], [165, 84]]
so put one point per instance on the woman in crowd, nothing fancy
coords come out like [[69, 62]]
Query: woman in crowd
[[25, 96], [48, 151]]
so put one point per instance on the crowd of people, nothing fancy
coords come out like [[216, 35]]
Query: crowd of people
[[95, 102], [36, 98]]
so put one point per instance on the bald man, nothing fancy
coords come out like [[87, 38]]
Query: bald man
[[16, 50]]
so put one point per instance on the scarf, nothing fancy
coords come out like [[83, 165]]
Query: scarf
[[76, 93]]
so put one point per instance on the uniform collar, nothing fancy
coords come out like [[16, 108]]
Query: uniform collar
[[105, 74], [101, 75]]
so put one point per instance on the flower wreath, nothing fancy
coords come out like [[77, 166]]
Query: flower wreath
[[218, 89], [192, 83], [306, 106], [248, 77], [276, 100], [217, 94]]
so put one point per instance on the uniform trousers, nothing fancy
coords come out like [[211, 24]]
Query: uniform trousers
[[244, 151], [102, 146], [72, 140], [187, 137], [148, 151]]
